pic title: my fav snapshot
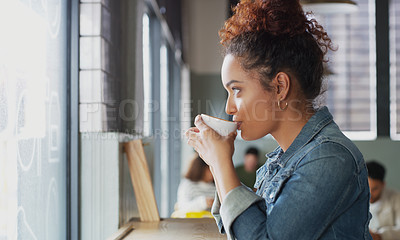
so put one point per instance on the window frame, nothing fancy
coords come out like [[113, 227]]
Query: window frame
[[73, 220], [382, 67], [165, 183]]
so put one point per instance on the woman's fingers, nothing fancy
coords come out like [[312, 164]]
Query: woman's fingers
[[193, 138], [191, 130], [205, 130], [194, 141], [191, 135], [194, 129], [199, 123]]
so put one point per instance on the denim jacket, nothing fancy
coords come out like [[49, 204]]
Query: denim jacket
[[317, 189]]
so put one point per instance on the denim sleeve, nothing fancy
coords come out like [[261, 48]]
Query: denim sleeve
[[215, 212], [310, 200], [236, 201]]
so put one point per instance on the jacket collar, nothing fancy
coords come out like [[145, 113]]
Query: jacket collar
[[314, 125]]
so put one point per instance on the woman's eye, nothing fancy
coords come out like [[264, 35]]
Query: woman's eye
[[235, 90]]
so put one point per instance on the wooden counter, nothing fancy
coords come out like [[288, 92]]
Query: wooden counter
[[171, 229]]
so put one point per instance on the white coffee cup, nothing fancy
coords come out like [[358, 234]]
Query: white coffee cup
[[221, 126]]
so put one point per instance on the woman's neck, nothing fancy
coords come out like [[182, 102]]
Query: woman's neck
[[291, 126]]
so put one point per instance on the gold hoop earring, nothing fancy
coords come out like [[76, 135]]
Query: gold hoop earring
[[279, 105]]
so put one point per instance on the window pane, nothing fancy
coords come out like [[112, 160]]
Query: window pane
[[351, 95], [33, 60], [164, 101], [394, 28], [146, 76]]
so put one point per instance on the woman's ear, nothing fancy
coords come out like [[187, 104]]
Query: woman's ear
[[282, 83]]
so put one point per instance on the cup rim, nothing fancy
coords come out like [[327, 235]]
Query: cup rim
[[217, 118]]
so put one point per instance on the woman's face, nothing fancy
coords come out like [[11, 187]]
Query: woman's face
[[252, 107]]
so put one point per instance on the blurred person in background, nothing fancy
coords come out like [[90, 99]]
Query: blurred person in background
[[385, 205], [196, 191], [247, 171]]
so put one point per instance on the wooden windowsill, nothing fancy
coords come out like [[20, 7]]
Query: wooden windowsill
[[170, 228]]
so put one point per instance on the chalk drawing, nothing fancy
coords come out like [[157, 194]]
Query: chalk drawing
[[21, 218], [52, 9], [52, 211], [25, 146], [54, 131], [39, 157]]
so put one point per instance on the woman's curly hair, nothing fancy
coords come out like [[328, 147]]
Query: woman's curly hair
[[271, 36]]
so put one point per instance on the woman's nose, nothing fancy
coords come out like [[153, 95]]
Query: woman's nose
[[230, 107]]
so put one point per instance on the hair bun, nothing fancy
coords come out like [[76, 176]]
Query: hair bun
[[275, 17]]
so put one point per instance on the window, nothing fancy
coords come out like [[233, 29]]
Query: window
[[33, 119], [164, 99], [162, 71], [146, 75], [351, 88]]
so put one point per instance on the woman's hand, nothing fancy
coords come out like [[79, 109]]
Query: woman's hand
[[213, 148], [216, 151]]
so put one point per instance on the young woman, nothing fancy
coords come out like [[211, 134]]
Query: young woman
[[314, 185]]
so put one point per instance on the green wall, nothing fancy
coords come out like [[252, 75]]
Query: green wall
[[208, 95], [387, 152]]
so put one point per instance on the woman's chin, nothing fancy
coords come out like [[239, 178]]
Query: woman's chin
[[247, 137], [250, 137]]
